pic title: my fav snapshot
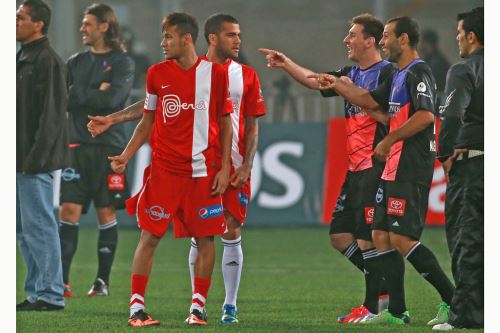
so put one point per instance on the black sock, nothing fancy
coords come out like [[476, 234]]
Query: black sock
[[427, 265], [373, 280], [106, 248], [68, 235], [392, 267], [353, 253]]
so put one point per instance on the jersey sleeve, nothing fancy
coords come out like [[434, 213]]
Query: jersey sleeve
[[254, 102], [382, 93], [151, 94], [344, 71], [421, 88], [223, 100]]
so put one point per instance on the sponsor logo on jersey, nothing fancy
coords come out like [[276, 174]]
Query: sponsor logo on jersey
[[69, 174], [394, 108], [380, 195], [116, 182], [172, 106], [211, 211], [421, 87], [243, 198], [156, 213], [356, 111], [396, 206], [369, 213]]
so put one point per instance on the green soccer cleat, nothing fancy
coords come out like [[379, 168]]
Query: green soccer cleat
[[385, 317], [442, 315]]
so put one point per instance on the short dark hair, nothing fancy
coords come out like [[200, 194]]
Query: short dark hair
[[39, 11], [372, 26], [185, 23], [214, 23], [105, 14], [473, 21], [406, 25]]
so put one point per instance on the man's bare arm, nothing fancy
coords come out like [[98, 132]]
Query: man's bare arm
[[240, 176], [100, 124], [298, 73], [221, 179]]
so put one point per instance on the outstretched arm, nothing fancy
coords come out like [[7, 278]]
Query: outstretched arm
[[298, 73], [141, 134], [100, 124]]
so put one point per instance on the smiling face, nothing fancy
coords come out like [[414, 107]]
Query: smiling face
[[92, 31], [356, 42], [390, 44], [228, 41]]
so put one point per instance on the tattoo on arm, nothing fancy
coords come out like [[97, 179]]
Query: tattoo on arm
[[132, 112]]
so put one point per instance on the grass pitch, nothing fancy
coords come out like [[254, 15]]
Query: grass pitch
[[292, 281]]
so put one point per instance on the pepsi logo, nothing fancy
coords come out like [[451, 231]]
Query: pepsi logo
[[203, 212]]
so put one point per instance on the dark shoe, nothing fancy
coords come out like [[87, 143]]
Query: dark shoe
[[99, 288], [23, 305], [43, 306]]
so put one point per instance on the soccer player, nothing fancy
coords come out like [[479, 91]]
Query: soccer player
[[222, 33], [186, 114], [409, 152], [350, 228], [461, 149], [99, 81]]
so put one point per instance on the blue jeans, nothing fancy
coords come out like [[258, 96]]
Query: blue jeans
[[38, 236]]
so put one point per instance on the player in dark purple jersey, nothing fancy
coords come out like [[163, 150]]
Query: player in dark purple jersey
[[350, 228], [409, 151]]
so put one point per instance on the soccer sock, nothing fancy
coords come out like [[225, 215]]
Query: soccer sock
[[137, 293], [353, 253], [373, 280], [392, 266], [427, 265], [106, 249], [232, 263], [200, 293], [68, 234], [193, 253]]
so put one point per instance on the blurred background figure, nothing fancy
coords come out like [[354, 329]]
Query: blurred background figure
[[437, 61]]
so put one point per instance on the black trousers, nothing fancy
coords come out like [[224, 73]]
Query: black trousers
[[464, 210]]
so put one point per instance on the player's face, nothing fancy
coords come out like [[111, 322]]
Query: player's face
[[172, 44], [463, 46], [92, 31], [25, 27], [355, 42], [390, 43], [228, 41]]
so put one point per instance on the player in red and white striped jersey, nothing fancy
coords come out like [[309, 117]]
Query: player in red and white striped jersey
[[186, 114], [222, 33]]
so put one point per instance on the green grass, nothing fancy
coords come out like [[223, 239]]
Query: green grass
[[292, 282]]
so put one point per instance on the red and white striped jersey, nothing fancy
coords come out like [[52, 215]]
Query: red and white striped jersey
[[246, 96], [188, 105]]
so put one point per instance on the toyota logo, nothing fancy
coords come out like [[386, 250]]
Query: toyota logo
[[371, 212], [116, 179], [396, 204]]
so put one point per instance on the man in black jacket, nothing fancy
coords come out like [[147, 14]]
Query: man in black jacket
[[41, 143], [461, 150], [99, 81]]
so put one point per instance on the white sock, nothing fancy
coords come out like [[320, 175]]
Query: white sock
[[193, 253], [232, 263], [136, 303]]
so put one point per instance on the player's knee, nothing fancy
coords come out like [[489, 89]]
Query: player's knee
[[381, 240], [70, 212], [401, 243], [340, 242], [148, 241], [233, 228]]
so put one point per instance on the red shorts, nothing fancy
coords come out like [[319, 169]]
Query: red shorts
[[236, 201], [166, 197]]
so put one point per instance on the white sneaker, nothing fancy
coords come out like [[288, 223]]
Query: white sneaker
[[443, 327]]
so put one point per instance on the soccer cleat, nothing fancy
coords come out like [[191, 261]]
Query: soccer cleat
[[356, 315], [67, 290], [23, 305], [383, 302], [99, 288], [441, 316], [443, 327], [141, 319], [197, 317], [41, 306], [385, 317], [229, 314]]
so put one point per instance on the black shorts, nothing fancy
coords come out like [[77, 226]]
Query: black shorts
[[90, 178], [356, 203], [401, 208]]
